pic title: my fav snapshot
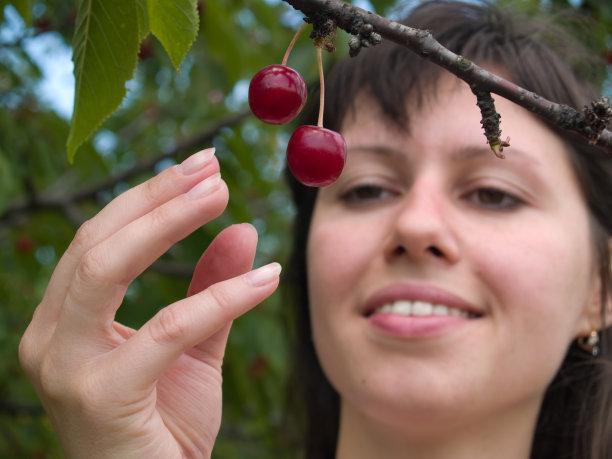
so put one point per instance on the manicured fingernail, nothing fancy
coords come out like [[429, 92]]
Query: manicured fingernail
[[204, 187], [264, 275], [196, 161]]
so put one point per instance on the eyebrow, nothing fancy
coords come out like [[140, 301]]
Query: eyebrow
[[467, 153], [379, 149], [457, 155]]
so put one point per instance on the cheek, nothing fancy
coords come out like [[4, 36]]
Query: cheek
[[340, 255], [536, 283], [336, 255], [538, 280]]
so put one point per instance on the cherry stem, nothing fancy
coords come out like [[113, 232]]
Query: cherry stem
[[322, 90], [290, 47]]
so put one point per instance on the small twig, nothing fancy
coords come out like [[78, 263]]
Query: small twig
[[598, 117], [186, 145], [352, 19], [290, 47], [12, 408], [322, 86], [490, 122], [73, 214]]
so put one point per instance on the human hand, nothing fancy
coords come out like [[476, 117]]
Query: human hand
[[111, 391]]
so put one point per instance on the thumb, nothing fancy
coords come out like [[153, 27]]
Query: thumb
[[231, 253], [184, 324]]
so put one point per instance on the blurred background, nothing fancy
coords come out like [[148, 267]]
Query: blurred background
[[165, 116]]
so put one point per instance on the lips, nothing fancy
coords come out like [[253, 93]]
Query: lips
[[387, 299], [417, 312]]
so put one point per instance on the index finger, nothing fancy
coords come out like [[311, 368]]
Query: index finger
[[121, 211]]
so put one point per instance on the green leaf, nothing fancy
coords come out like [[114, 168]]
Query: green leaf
[[175, 24], [105, 55], [143, 19]]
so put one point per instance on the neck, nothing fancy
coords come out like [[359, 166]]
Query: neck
[[507, 436]]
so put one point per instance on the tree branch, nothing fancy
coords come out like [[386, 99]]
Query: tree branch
[[362, 24], [66, 203], [14, 408]]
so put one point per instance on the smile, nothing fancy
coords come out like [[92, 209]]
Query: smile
[[421, 308]]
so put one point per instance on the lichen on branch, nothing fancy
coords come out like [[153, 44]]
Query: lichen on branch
[[323, 31], [597, 117], [364, 39]]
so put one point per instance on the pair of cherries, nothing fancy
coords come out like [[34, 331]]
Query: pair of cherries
[[315, 155]]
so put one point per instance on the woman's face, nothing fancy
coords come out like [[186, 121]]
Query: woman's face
[[492, 257]]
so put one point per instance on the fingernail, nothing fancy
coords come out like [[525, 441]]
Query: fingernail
[[196, 162], [204, 187], [264, 275]]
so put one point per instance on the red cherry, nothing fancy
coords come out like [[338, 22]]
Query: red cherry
[[24, 244], [277, 93], [258, 367], [316, 155]]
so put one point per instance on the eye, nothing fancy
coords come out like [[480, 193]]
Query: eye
[[366, 193], [494, 198]]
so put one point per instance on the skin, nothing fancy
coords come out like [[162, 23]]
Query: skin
[[521, 257], [111, 391]]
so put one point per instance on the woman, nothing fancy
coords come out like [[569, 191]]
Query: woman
[[427, 227], [441, 286]]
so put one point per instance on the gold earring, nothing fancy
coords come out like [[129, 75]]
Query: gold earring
[[590, 343]]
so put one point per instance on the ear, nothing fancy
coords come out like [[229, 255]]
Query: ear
[[591, 317]]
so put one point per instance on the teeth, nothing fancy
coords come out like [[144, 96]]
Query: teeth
[[402, 307], [421, 308], [441, 310]]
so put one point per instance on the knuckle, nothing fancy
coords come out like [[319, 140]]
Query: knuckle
[[160, 217], [221, 199], [162, 225], [27, 354], [220, 299], [85, 235], [90, 268], [151, 190], [168, 326], [32, 345]]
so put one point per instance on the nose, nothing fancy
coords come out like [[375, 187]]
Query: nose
[[423, 227]]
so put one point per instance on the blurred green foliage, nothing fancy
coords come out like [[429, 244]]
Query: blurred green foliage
[[165, 116]]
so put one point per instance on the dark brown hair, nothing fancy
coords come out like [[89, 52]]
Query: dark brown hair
[[576, 415]]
